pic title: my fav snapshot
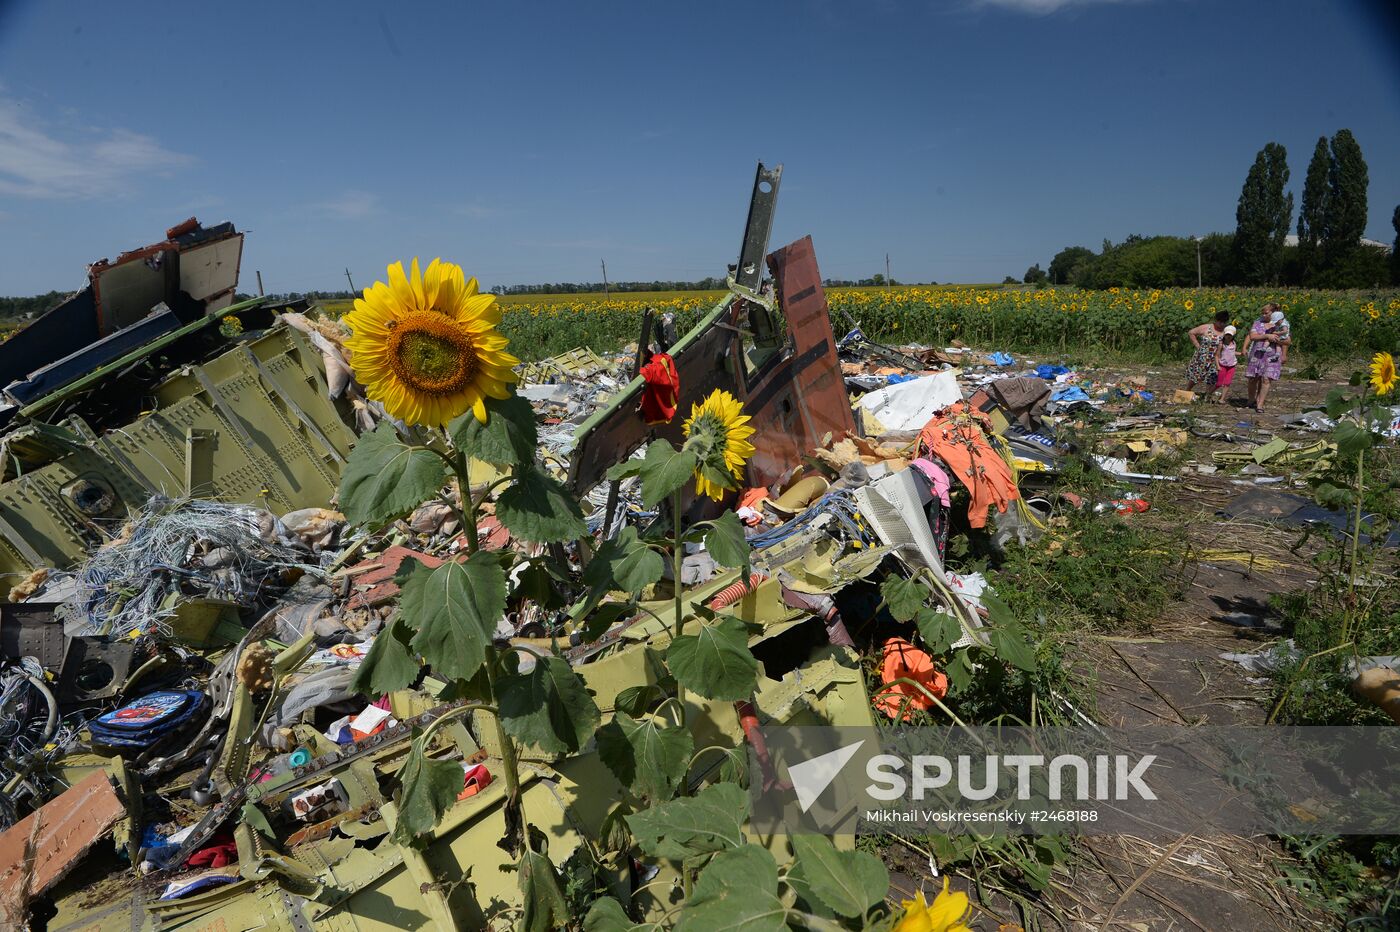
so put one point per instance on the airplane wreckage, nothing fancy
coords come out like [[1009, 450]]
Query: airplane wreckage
[[186, 610]]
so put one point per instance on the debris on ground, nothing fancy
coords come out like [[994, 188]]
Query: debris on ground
[[189, 611]]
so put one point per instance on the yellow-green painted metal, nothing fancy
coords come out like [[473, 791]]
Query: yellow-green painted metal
[[252, 425]]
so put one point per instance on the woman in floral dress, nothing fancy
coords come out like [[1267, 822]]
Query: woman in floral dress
[[1206, 338]]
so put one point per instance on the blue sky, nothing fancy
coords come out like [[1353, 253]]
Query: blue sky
[[527, 141]]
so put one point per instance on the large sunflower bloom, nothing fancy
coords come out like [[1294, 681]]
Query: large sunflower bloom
[[945, 915], [1383, 373], [425, 345], [718, 432]]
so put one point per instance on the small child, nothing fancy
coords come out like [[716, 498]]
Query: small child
[[1225, 361]]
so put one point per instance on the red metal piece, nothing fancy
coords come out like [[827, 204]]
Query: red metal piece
[[37, 851], [748, 721]]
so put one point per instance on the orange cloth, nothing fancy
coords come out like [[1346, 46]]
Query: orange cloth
[[661, 393], [752, 498], [905, 661], [957, 437]]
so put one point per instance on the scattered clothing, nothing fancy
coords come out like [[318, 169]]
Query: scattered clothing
[[935, 475], [1023, 398], [220, 852], [1047, 371], [661, 393], [904, 661], [958, 437]]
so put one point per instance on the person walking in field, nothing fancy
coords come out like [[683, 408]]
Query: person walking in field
[[1206, 338], [1266, 348], [1226, 359]]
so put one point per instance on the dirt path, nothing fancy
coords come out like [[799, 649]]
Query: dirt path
[[1173, 675]]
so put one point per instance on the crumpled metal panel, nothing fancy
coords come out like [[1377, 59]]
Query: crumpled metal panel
[[252, 425], [37, 851], [800, 396], [794, 396]]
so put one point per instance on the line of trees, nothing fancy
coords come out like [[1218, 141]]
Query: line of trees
[[704, 284], [36, 305], [1329, 252]]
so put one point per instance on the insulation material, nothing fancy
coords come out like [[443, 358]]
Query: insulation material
[[909, 405]]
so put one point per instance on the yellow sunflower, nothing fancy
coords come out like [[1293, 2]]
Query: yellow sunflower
[[426, 346], [1189, 304], [945, 915], [717, 432], [1383, 373]]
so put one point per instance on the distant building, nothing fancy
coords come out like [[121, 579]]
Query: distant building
[[1292, 240]]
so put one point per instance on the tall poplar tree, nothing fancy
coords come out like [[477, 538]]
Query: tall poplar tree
[[1345, 218], [1263, 216], [1312, 215]]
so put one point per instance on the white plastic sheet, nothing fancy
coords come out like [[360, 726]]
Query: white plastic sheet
[[909, 405]]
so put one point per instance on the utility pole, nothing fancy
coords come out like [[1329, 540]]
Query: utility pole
[[1198, 262], [350, 280], [887, 271], [604, 263], [260, 288]]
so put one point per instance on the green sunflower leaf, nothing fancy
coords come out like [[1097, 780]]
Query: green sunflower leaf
[[624, 563], [648, 757], [738, 890], [636, 700], [603, 617], [715, 662], [960, 671], [903, 596], [1337, 403], [664, 470], [1008, 638], [725, 542], [548, 707], [430, 787], [544, 906], [938, 629], [711, 820], [385, 478], [848, 882], [606, 915], [1351, 439], [389, 665], [508, 438], [454, 609], [537, 507]]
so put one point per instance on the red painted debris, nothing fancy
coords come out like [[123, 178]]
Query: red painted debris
[[44, 846], [376, 586]]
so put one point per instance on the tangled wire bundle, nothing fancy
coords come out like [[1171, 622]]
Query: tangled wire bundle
[[189, 547]]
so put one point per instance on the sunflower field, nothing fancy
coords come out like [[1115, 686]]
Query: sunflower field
[[1146, 324]]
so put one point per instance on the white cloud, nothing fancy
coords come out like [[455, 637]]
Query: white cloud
[[351, 205], [41, 161], [1044, 7]]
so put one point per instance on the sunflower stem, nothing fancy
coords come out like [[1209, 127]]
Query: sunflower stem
[[677, 558], [1350, 617], [464, 493], [509, 762]]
